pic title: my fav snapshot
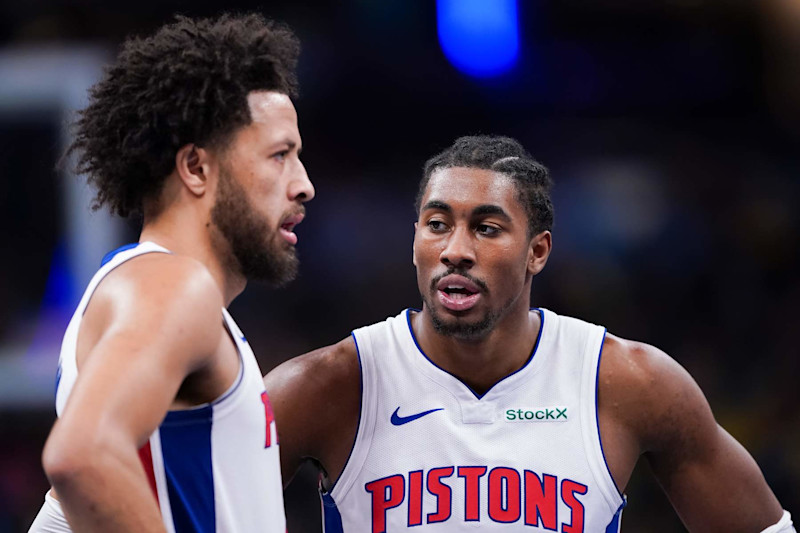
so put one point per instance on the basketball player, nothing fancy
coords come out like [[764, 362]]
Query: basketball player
[[479, 412], [164, 424]]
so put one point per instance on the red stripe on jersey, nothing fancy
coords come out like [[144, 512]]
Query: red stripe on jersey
[[270, 416], [146, 456]]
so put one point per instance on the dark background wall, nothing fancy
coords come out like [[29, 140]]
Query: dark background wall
[[670, 130]]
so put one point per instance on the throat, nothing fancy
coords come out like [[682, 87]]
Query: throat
[[480, 363]]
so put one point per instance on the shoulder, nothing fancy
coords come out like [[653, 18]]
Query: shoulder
[[321, 371], [159, 279], [648, 392], [168, 274], [163, 294], [316, 399]]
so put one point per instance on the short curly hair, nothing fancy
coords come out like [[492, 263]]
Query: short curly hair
[[187, 83], [507, 156]]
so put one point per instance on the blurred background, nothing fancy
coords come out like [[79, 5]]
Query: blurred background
[[670, 129]]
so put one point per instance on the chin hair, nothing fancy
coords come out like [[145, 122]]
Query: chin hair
[[272, 267], [468, 331]]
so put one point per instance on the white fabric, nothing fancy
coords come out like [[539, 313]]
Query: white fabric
[[467, 465], [50, 518], [784, 525], [218, 450]]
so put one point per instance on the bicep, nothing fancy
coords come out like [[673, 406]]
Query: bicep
[[712, 481], [126, 385]]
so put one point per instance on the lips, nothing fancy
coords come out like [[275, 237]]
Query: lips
[[287, 227], [458, 293]]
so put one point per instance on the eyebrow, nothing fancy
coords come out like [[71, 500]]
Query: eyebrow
[[290, 144], [490, 209], [481, 210], [436, 204]]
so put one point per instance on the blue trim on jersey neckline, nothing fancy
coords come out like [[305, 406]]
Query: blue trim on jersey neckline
[[110, 255], [478, 396]]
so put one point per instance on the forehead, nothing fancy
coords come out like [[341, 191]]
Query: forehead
[[268, 106], [465, 188], [274, 118]]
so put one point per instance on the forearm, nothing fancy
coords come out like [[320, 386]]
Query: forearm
[[106, 492], [695, 488]]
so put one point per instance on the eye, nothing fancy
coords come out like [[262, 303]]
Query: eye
[[280, 156], [486, 229], [436, 226]]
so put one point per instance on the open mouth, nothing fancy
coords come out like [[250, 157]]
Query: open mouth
[[287, 227], [458, 293]]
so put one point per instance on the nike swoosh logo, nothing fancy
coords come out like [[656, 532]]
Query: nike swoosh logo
[[398, 420]]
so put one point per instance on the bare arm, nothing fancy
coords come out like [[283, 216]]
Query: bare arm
[[316, 399], [712, 481], [152, 322]]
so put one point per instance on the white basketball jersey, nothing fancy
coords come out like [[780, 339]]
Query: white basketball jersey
[[214, 467], [430, 453]]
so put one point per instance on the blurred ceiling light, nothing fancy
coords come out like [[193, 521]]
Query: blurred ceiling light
[[479, 37]]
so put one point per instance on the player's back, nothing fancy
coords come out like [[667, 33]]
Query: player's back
[[212, 466]]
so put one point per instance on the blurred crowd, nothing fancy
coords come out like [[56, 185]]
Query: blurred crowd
[[671, 133]]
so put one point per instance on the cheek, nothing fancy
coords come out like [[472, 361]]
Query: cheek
[[510, 267], [426, 253]]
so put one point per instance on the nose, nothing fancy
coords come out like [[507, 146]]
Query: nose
[[458, 250], [300, 188]]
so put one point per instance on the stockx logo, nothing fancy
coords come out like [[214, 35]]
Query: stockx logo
[[539, 414]]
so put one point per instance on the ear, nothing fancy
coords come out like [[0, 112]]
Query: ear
[[193, 164], [539, 251], [414, 246]]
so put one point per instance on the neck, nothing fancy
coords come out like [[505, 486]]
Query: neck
[[481, 363], [189, 232]]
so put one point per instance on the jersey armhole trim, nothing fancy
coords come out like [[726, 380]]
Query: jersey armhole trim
[[359, 430], [597, 420]]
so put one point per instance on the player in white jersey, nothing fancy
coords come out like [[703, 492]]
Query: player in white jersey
[[163, 420], [477, 412]]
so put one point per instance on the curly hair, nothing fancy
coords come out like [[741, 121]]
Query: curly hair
[[507, 156], [187, 83]]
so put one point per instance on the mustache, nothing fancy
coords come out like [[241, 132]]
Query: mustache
[[299, 210], [461, 272]]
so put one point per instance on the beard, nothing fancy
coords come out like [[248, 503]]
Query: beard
[[257, 249], [459, 328]]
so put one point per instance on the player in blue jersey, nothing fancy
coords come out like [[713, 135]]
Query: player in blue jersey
[[164, 424], [478, 411]]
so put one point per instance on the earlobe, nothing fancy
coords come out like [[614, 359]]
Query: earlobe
[[191, 164]]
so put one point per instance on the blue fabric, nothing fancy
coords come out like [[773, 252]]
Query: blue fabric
[[332, 520], [110, 255], [613, 526], [186, 449]]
